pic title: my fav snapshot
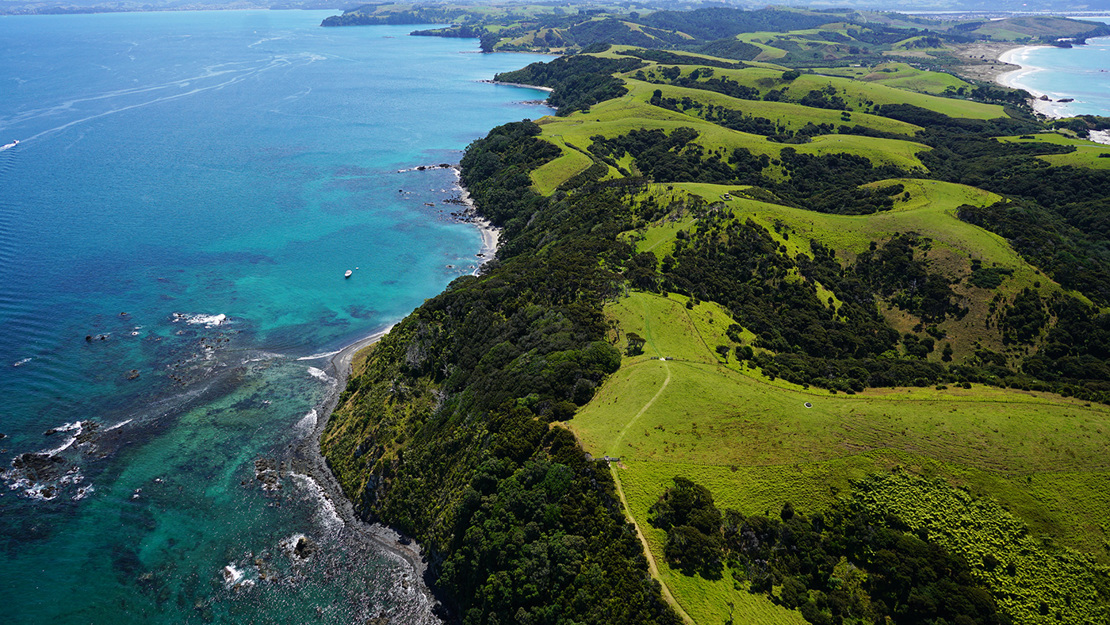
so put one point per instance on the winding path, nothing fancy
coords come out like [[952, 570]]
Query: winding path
[[653, 569]]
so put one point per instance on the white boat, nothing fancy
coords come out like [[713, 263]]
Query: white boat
[[348, 274]]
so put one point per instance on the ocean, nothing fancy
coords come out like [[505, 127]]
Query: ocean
[[186, 193], [1080, 73]]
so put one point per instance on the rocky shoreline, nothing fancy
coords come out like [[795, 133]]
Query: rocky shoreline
[[308, 461]]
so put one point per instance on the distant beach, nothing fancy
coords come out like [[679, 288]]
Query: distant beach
[[1063, 81], [1018, 79]]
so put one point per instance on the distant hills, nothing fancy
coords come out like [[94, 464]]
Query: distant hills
[[18, 7]]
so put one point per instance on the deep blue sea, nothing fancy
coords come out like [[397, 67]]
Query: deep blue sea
[[175, 222]]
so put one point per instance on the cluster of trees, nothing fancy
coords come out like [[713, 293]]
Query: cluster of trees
[[674, 58], [844, 566], [718, 22], [726, 117], [577, 81], [1059, 226], [825, 183], [739, 265], [722, 84], [365, 16], [896, 272], [667, 158]]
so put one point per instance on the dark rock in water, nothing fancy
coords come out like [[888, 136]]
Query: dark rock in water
[[37, 463], [132, 374], [266, 471], [88, 338], [304, 548], [88, 432], [3, 436]]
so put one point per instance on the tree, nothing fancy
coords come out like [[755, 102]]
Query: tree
[[635, 344], [723, 351]]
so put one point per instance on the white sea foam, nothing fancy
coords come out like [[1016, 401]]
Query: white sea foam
[[262, 357], [326, 513], [231, 575], [209, 321], [319, 356], [42, 492], [320, 375], [73, 476], [307, 422], [118, 425], [69, 427]]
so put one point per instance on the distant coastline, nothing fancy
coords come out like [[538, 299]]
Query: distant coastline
[[1053, 105], [1042, 102]]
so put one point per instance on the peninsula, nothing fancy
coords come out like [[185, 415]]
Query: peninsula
[[791, 321]]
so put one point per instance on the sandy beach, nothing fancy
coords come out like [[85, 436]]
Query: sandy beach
[[1043, 103], [491, 235]]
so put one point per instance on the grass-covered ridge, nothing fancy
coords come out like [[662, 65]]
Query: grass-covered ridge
[[790, 289]]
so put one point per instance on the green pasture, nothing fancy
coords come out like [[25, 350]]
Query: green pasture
[[1086, 152], [547, 177], [793, 116], [858, 93], [898, 75], [704, 412], [706, 601], [1065, 506], [930, 211], [620, 116], [756, 445]]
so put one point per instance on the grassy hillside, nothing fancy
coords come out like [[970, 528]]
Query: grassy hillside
[[1087, 153], [838, 308], [858, 95], [756, 444], [900, 76], [618, 117]]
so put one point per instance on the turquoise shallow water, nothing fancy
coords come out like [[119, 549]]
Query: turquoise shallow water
[[1081, 73], [187, 192]]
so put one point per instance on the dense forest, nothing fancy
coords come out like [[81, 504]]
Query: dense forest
[[894, 574]]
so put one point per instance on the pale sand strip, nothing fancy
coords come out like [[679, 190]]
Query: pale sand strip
[[1016, 79]]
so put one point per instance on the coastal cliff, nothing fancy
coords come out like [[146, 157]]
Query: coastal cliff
[[444, 434]]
